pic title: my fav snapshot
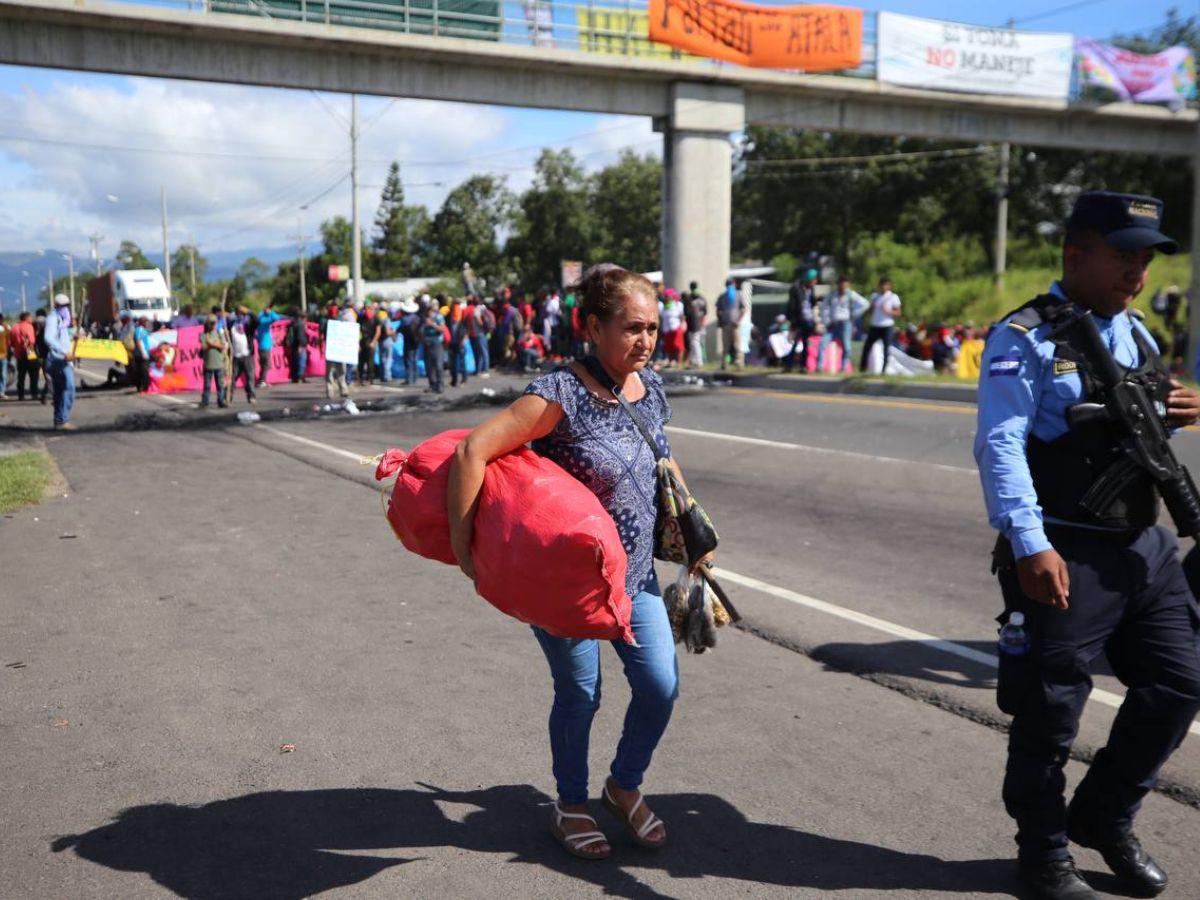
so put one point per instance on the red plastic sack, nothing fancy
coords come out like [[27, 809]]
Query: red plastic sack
[[545, 551]]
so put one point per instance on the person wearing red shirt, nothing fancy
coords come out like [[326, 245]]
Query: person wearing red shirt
[[530, 349], [22, 340]]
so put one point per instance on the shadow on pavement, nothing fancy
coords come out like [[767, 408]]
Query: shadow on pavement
[[292, 844], [917, 659]]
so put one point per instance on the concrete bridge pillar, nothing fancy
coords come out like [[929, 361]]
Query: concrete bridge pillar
[[1194, 292], [697, 184]]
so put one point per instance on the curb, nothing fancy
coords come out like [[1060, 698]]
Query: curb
[[853, 386]]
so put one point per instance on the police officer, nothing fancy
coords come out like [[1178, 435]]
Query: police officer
[[1086, 583]]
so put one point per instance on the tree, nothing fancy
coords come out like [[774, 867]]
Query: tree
[[130, 256], [626, 212], [400, 230], [552, 222], [253, 272], [467, 226], [182, 276]]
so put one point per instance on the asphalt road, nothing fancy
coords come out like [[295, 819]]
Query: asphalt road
[[229, 589]]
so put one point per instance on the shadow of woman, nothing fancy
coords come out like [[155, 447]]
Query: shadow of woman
[[288, 844]]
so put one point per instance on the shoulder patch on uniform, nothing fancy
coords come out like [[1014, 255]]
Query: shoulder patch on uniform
[[1137, 314], [1017, 326], [1004, 365], [1065, 367]]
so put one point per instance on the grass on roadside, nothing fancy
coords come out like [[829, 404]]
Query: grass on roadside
[[24, 478]]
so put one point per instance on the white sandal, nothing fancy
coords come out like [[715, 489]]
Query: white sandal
[[576, 843], [638, 833]]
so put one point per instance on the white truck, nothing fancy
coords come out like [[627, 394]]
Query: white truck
[[140, 292]]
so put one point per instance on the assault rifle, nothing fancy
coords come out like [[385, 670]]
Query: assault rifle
[[1143, 438]]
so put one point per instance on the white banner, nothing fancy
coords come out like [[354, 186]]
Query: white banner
[[947, 56], [341, 341]]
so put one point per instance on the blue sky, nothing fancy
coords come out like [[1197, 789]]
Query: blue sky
[[238, 162]]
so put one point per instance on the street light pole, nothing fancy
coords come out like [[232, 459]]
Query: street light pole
[[1001, 252], [356, 262]]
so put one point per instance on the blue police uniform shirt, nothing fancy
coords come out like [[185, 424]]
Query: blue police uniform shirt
[[1021, 394]]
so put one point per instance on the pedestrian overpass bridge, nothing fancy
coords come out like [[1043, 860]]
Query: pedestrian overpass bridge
[[695, 104]]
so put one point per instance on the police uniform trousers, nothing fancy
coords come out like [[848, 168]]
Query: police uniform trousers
[[1129, 598]]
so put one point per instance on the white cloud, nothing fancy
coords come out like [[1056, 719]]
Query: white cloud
[[238, 162]]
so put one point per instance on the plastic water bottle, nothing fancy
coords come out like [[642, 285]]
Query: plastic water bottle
[[1016, 677], [1014, 640]]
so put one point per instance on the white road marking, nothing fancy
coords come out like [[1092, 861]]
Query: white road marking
[[329, 448], [1107, 698], [783, 445]]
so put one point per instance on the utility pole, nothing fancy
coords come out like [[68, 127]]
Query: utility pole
[[192, 268], [356, 262], [24, 306], [300, 239], [71, 276], [1001, 217], [166, 249]]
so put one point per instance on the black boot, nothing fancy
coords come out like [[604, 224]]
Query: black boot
[[1122, 851], [1057, 879]]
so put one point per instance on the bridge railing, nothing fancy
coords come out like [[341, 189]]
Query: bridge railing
[[609, 27]]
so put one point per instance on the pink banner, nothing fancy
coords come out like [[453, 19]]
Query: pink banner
[[178, 365], [1166, 77]]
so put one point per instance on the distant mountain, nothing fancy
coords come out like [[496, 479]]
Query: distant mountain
[[222, 264], [225, 263]]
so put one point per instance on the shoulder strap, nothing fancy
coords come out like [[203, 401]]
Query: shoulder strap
[[1039, 310], [597, 371]]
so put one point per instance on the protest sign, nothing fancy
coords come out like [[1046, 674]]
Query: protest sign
[[815, 38], [341, 342], [95, 348], [1166, 77], [947, 56]]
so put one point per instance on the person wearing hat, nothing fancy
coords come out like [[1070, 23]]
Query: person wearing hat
[[1084, 582], [213, 348], [59, 372]]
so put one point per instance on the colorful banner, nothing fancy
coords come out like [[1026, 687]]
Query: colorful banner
[[947, 56], [176, 363], [620, 32], [809, 37], [1166, 77]]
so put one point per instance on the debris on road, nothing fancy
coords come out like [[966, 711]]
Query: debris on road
[[60, 723], [287, 748], [248, 417]]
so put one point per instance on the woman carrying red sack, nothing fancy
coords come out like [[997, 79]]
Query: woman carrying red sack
[[571, 419]]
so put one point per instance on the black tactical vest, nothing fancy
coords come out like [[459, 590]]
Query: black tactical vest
[[1064, 469]]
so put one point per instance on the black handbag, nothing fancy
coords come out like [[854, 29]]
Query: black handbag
[[683, 532]]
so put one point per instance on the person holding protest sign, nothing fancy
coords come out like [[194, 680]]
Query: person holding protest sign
[[571, 418]]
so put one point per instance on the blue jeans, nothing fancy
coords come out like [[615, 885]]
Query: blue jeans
[[410, 365], [3, 375], [840, 332], [385, 359], [479, 346], [653, 675], [62, 376]]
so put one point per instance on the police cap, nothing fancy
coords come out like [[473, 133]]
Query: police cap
[[1126, 221]]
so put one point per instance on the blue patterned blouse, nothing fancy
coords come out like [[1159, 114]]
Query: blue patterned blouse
[[598, 443]]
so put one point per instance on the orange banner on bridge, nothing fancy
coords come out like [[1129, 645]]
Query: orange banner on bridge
[[811, 37]]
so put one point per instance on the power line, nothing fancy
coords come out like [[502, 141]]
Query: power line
[[1070, 7]]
